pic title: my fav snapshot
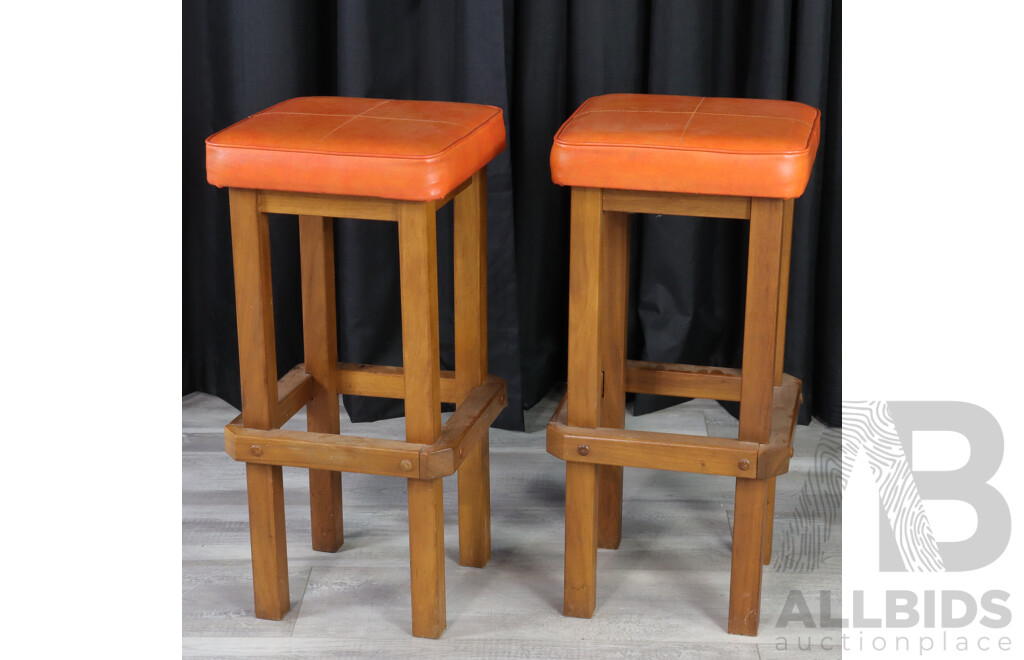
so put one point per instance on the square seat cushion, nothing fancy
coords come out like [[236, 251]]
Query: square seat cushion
[[688, 144], [411, 150]]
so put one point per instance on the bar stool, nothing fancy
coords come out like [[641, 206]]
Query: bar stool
[[325, 157], [678, 155]]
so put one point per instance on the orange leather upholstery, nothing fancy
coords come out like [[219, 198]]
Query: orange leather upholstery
[[688, 144], [413, 150]]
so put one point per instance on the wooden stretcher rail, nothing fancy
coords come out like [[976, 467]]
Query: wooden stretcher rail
[[323, 451], [342, 453], [339, 206], [464, 429], [786, 401], [294, 391], [705, 206], [387, 382], [454, 193], [682, 452], [683, 380], [329, 206]]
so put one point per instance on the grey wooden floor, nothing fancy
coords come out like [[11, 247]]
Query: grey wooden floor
[[663, 593]]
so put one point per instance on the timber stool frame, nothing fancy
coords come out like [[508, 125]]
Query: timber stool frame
[[587, 430], [432, 451]]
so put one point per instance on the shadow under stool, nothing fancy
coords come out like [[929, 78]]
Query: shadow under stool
[[678, 155], [397, 161]]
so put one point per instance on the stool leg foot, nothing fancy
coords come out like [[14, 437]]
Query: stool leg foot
[[426, 557], [325, 510], [580, 539], [475, 507], [747, 545], [609, 491], [769, 523], [269, 550]]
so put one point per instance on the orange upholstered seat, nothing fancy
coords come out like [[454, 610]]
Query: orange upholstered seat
[[688, 144], [412, 150]]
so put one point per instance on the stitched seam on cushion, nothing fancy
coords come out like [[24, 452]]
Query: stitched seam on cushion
[[361, 154], [429, 121], [710, 114], [690, 120], [565, 144], [228, 128], [365, 116], [608, 145], [344, 124], [279, 103], [311, 114]]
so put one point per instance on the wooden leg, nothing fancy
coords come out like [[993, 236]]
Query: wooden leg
[[580, 540], [254, 309], [426, 557], [320, 340], [760, 347], [417, 243], [747, 538], [470, 274], [787, 248], [267, 535], [609, 519], [583, 399], [769, 522], [780, 352], [614, 292], [760, 331], [250, 241], [584, 374]]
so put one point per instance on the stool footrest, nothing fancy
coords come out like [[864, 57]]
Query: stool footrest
[[685, 380], [386, 382], [341, 453], [294, 391], [682, 452]]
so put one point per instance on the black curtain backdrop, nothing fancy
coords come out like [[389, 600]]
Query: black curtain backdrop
[[538, 60]]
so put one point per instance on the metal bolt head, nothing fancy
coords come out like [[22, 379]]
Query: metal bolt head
[[405, 465], [744, 464], [583, 450]]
